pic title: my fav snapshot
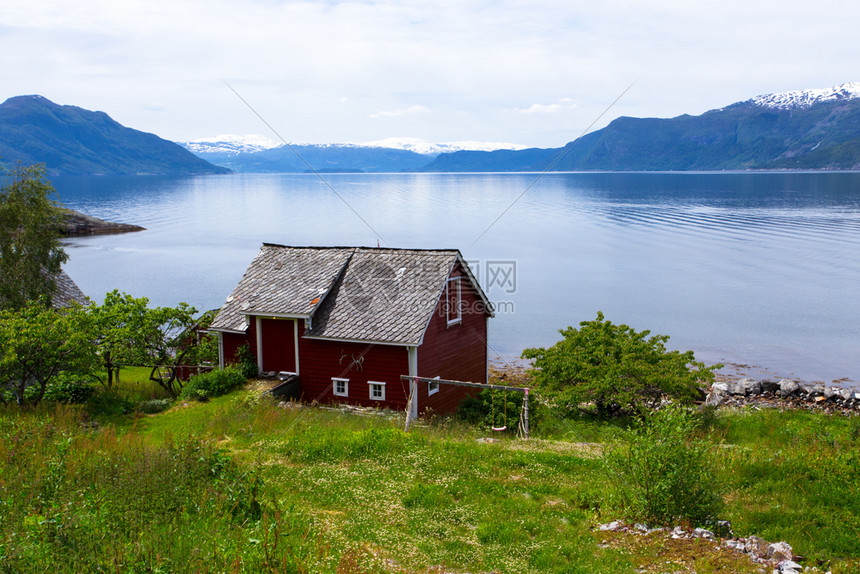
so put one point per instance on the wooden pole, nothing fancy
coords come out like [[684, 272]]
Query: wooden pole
[[526, 413], [463, 384]]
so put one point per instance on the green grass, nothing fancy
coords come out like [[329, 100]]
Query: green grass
[[239, 484]]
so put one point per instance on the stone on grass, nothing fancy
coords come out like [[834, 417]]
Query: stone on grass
[[831, 392], [611, 526], [722, 387], [703, 533], [780, 551], [756, 546], [788, 387], [789, 567], [846, 394]]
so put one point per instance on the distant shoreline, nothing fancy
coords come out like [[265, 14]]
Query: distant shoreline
[[77, 224]]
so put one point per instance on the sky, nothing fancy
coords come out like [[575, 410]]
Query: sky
[[531, 72]]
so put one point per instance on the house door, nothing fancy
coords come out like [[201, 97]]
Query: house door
[[279, 345]]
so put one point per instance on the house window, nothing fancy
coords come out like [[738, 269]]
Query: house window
[[340, 387], [377, 390], [452, 300], [432, 388]]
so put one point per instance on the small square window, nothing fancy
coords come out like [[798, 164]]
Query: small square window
[[432, 388], [340, 387], [377, 390]]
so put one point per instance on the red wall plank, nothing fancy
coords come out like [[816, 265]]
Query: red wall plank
[[319, 361], [457, 351]]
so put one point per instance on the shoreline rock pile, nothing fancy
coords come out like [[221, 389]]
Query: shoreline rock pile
[[783, 394], [778, 555]]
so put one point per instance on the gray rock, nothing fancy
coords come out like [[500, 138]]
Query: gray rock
[[721, 387], [716, 398], [679, 532], [756, 546], [737, 388], [611, 526], [846, 394], [789, 567], [780, 551], [769, 387], [812, 389], [751, 386], [831, 393], [703, 533], [788, 387]]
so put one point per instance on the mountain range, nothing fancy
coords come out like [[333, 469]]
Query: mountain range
[[73, 141], [802, 129], [258, 154]]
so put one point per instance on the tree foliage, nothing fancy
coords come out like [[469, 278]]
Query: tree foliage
[[613, 368], [128, 332], [37, 343], [30, 250]]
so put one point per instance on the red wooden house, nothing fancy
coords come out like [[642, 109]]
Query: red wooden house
[[349, 321]]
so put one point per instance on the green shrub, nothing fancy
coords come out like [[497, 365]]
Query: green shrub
[[614, 369], [212, 384], [245, 362], [665, 472], [70, 389]]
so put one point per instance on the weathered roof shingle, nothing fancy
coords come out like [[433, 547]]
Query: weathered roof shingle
[[352, 293]]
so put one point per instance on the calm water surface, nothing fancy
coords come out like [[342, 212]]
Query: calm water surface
[[759, 269]]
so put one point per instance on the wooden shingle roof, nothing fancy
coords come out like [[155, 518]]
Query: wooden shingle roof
[[347, 293], [66, 292]]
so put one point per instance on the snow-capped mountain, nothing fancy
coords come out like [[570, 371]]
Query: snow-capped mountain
[[230, 144], [798, 99], [424, 147]]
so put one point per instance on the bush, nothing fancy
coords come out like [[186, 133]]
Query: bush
[[212, 384], [246, 362], [70, 389], [665, 472], [613, 369]]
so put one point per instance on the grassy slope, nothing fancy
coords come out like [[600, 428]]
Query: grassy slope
[[342, 493]]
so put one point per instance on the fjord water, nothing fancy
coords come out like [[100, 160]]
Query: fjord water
[[761, 269]]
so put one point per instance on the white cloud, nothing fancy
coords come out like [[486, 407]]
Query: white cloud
[[411, 110], [562, 104], [322, 71]]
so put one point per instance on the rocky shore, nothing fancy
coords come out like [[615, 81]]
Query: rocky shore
[[75, 224], [783, 394], [777, 557]]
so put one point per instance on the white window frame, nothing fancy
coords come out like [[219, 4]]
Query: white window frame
[[456, 312], [374, 384], [433, 388], [334, 383]]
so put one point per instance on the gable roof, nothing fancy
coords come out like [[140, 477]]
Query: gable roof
[[347, 293]]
